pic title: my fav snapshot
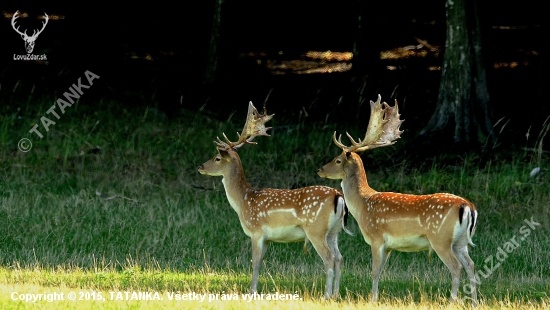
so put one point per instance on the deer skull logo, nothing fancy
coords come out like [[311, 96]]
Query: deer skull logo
[[29, 40]]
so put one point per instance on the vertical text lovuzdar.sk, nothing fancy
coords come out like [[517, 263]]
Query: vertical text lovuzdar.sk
[[502, 254], [75, 91]]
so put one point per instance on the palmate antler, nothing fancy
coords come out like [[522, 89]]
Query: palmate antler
[[254, 126], [383, 129]]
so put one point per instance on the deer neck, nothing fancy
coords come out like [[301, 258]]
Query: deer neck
[[355, 186], [236, 186]]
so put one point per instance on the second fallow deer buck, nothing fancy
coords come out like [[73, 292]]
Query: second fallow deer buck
[[402, 222], [267, 215]]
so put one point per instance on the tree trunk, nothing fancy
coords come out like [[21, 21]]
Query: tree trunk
[[462, 117], [214, 49]]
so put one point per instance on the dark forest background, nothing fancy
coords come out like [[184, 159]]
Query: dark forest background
[[161, 54]]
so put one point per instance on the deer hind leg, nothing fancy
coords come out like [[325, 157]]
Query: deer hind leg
[[461, 253], [338, 221], [379, 258], [259, 247], [306, 241], [448, 257], [324, 250], [332, 240]]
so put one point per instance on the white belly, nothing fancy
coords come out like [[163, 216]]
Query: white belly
[[407, 244], [284, 234]]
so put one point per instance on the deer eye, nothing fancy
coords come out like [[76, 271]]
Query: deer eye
[[217, 159], [338, 161]]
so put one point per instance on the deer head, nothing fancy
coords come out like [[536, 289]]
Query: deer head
[[29, 40], [254, 126], [383, 130]]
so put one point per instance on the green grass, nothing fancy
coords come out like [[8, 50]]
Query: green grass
[[57, 234]]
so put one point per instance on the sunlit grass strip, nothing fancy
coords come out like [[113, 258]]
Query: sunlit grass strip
[[134, 287], [84, 299]]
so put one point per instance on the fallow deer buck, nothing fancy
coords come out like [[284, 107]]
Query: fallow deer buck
[[402, 222], [317, 213]]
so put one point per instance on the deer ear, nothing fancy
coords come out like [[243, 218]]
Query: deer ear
[[224, 153], [348, 154]]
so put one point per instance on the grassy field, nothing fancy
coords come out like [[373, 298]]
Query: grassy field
[[110, 201]]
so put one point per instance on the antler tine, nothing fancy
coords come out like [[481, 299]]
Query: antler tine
[[254, 126], [338, 142], [247, 141], [13, 18], [222, 144], [355, 144], [43, 25], [230, 144], [391, 130]]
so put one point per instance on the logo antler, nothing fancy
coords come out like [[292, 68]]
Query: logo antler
[[29, 40]]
